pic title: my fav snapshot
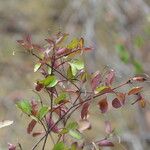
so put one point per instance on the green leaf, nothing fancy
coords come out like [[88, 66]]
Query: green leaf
[[42, 112], [69, 73], [59, 146], [123, 53], [63, 131], [24, 106], [37, 67], [76, 65], [137, 67], [101, 88], [49, 81], [73, 69], [49, 70], [60, 98], [72, 126], [75, 134], [73, 44]]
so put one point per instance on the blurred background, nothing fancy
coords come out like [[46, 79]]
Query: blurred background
[[119, 31]]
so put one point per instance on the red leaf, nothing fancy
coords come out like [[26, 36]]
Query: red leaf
[[61, 51], [135, 90], [139, 79], [36, 134], [116, 103], [121, 97], [96, 79], [88, 48], [103, 105], [31, 126], [34, 106], [51, 124], [85, 110], [110, 77], [11, 146], [105, 143], [39, 87]]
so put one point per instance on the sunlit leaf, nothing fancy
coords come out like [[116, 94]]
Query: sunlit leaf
[[37, 66], [103, 105], [73, 44], [75, 134], [5, 123], [72, 126], [103, 89], [49, 70], [62, 96], [139, 79], [25, 106], [42, 112], [135, 90], [49, 81], [76, 65], [142, 103], [59, 146]]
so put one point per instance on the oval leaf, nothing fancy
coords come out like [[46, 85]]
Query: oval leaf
[[85, 110], [31, 126], [103, 105], [24, 106], [59, 146], [105, 143], [116, 103], [75, 134], [135, 90]]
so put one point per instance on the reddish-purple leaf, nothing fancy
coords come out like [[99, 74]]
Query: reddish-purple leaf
[[39, 87], [110, 77], [121, 97], [51, 124], [61, 51], [36, 134], [85, 110], [34, 106], [139, 79], [31, 126], [135, 90], [105, 143], [11, 146], [103, 105], [88, 48], [116, 103], [96, 79]]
